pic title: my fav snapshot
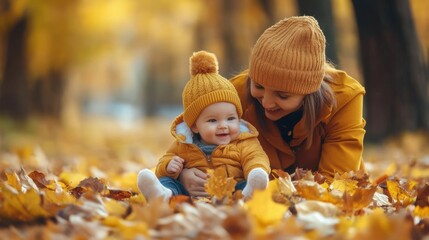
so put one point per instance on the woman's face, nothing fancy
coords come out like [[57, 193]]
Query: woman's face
[[276, 104]]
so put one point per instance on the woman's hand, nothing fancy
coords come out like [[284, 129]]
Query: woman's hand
[[193, 180]]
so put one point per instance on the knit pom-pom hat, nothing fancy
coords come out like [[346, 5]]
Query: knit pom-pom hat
[[290, 56], [206, 87]]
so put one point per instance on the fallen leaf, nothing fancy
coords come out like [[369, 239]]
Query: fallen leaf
[[263, 210], [219, 184]]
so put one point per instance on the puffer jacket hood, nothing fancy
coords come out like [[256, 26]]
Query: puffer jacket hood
[[181, 131]]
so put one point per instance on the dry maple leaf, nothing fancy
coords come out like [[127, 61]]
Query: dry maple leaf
[[22, 200], [118, 194], [358, 199], [150, 214], [422, 199], [314, 191], [39, 179], [284, 181], [176, 200], [20, 206], [125, 229], [403, 192], [422, 212], [96, 184], [286, 192], [263, 210], [219, 184], [237, 223], [90, 184], [344, 185]]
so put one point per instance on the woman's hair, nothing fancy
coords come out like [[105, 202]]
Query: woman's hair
[[312, 104]]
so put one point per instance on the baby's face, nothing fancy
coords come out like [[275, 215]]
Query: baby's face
[[218, 124]]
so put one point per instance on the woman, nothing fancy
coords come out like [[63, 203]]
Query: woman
[[308, 114]]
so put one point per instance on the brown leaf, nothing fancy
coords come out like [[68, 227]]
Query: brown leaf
[[118, 194], [422, 199], [95, 184], [300, 174], [319, 178], [39, 179], [278, 173], [179, 199], [237, 224], [77, 192]]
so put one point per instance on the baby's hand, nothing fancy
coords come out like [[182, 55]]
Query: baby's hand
[[175, 165]]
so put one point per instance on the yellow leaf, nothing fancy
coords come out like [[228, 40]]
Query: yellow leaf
[[219, 184], [138, 199], [13, 180], [263, 210], [126, 229], [422, 212], [72, 179], [344, 185], [402, 193], [314, 191], [21, 206], [125, 181], [115, 208], [57, 200]]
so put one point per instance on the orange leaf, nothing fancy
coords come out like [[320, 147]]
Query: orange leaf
[[218, 184], [359, 199]]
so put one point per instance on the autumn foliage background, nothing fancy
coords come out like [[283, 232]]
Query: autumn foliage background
[[97, 85]]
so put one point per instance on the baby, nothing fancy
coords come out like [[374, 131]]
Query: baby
[[209, 134]]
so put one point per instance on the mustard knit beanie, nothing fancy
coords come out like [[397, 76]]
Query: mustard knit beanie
[[206, 87], [290, 56]]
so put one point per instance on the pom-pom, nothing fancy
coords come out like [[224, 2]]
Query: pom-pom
[[203, 62]]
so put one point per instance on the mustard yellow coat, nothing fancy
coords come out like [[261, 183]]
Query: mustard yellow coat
[[238, 157], [338, 136]]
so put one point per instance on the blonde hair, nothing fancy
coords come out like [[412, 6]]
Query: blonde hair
[[312, 104]]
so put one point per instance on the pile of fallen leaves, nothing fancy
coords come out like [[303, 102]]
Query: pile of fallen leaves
[[48, 193]]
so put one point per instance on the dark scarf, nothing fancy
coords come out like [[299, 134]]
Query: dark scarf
[[287, 123], [206, 148]]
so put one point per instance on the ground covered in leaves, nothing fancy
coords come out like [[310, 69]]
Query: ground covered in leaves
[[80, 183]]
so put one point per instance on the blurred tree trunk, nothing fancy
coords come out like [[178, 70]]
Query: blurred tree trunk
[[268, 8], [229, 34], [14, 92], [396, 77], [47, 97], [159, 88], [322, 11], [223, 29]]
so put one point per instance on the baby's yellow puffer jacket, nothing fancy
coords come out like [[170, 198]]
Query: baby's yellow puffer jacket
[[238, 157]]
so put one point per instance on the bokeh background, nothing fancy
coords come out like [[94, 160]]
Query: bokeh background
[[103, 78]]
